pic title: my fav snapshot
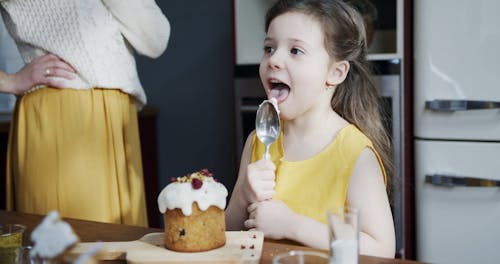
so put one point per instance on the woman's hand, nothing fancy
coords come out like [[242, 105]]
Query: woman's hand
[[258, 185], [39, 72], [273, 217]]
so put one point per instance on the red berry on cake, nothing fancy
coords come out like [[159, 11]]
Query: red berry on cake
[[205, 172], [196, 183]]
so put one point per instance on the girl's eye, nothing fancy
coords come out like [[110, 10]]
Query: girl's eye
[[268, 49], [296, 51]]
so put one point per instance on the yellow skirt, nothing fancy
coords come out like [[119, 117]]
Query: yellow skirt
[[78, 152]]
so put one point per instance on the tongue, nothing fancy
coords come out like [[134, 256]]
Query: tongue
[[279, 94], [274, 93]]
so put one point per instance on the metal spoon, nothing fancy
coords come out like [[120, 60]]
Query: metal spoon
[[267, 124]]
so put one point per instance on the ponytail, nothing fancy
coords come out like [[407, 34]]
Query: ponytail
[[357, 101]]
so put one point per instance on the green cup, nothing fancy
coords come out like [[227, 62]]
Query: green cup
[[11, 240]]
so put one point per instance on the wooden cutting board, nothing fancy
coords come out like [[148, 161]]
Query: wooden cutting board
[[241, 247]]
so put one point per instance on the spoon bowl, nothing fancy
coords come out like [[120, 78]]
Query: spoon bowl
[[267, 124]]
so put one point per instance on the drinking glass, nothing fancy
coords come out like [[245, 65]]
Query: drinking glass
[[343, 225], [11, 240], [301, 257]]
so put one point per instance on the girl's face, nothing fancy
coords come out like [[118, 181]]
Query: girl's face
[[296, 68]]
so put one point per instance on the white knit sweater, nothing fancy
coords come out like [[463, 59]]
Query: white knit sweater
[[93, 36]]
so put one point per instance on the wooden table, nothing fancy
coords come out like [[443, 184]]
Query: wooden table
[[89, 231]]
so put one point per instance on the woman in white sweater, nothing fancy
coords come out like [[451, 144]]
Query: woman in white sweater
[[74, 144]]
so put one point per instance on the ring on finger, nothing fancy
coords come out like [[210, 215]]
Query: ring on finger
[[47, 72]]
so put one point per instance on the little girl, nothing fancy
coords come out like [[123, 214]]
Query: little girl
[[332, 148]]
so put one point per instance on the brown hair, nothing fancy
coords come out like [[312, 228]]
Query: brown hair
[[356, 99]]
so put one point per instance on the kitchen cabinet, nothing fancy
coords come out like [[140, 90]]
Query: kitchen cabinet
[[387, 36], [387, 56]]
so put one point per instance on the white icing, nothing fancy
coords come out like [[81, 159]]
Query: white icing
[[182, 195], [52, 237], [274, 102]]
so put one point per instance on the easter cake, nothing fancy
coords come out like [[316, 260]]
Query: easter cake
[[193, 212]]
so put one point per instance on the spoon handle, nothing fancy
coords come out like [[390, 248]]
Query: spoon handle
[[266, 153]]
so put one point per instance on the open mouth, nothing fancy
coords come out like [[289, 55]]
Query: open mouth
[[279, 91]]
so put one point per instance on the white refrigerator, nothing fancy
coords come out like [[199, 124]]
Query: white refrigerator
[[457, 130]]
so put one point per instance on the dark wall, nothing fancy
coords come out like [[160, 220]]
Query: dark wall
[[192, 85]]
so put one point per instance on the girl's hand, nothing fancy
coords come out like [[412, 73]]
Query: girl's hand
[[38, 72], [259, 182], [274, 218]]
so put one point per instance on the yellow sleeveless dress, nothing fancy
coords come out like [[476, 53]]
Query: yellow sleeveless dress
[[78, 152], [311, 187]]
